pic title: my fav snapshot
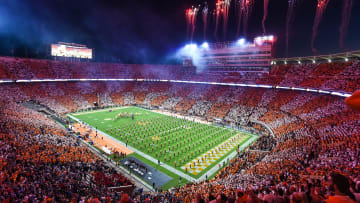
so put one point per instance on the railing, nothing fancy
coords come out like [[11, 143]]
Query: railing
[[335, 93]]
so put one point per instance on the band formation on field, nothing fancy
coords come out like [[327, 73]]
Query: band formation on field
[[184, 144]]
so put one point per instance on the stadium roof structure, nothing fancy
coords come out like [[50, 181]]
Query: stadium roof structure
[[72, 44], [338, 57]]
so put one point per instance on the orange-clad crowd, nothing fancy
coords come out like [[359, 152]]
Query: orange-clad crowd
[[41, 162], [313, 156]]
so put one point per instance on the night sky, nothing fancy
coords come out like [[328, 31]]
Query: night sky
[[150, 31]]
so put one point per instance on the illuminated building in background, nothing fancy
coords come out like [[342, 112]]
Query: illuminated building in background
[[71, 50], [255, 56]]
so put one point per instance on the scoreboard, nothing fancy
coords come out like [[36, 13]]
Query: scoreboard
[[71, 50]]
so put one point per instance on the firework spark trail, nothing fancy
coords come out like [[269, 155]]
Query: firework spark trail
[[205, 12], [225, 14], [193, 22], [217, 13], [196, 10], [191, 15], [239, 5], [345, 20], [289, 19], [247, 6], [320, 9], [266, 5], [188, 14]]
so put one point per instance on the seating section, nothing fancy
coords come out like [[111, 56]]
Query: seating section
[[159, 100], [184, 105], [219, 110], [315, 135], [139, 97], [41, 162], [330, 76], [117, 98]]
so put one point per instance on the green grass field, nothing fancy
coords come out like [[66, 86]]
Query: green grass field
[[168, 139]]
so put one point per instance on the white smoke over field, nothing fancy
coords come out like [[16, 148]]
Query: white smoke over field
[[194, 53]]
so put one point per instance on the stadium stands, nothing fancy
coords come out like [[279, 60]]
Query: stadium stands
[[316, 135], [41, 162], [330, 76]]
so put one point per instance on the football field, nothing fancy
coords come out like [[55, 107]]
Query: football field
[[185, 145]]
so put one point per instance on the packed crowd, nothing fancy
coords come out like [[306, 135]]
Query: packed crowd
[[329, 76], [295, 170], [312, 157], [41, 162], [282, 111]]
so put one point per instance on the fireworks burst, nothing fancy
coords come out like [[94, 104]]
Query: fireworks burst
[[245, 9], [290, 15], [320, 9], [217, 16], [266, 5], [225, 14], [188, 20], [205, 12], [345, 20], [239, 8], [222, 10], [248, 6], [191, 15]]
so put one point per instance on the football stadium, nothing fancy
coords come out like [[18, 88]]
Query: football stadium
[[215, 101]]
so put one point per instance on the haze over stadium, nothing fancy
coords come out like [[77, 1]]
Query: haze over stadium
[[113, 28], [179, 101]]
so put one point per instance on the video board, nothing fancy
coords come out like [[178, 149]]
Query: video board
[[71, 50]]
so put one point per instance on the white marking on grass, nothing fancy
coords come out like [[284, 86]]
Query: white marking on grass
[[173, 129], [164, 165], [214, 169], [96, 111], [213, 157], [148, 157]]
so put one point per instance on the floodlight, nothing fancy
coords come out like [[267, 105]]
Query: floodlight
[[205, 45], [241, 41]]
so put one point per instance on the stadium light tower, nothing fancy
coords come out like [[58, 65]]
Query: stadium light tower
[[191, 46], [241, 42], [205, 45]]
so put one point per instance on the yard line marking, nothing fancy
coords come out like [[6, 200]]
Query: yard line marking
[[102, 110], [221, 149], [213, 155]]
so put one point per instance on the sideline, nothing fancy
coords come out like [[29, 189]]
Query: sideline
[[138, 182], [164, 165], [101, 110], [209, 173]]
